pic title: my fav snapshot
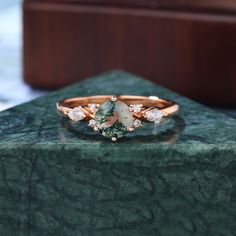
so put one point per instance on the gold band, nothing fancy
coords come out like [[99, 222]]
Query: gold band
[[167, 107]]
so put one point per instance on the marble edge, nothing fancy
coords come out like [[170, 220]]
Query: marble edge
[[158, 153], [174, 94]]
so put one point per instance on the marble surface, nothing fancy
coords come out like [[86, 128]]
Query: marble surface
[[57, 178]]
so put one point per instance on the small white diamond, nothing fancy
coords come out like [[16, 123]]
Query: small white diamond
[[76, 114], [135, 108], [93, 107], [154, 115], [92, 123], [95, 128], [137, 123]]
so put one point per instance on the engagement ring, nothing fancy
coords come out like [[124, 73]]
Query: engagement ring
[[114, 116]]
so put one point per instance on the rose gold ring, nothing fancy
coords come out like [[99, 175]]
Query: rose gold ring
[[114, 116]]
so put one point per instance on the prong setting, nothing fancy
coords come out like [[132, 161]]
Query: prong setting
[[114, 139], [130, 129], [113, 98]]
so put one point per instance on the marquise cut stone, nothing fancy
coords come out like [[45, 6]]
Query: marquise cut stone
[[154, 115], [76, 114]]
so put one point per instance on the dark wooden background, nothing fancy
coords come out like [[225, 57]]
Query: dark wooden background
[[188, 46]]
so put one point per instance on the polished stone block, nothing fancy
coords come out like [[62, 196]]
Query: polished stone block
[[63, 179]]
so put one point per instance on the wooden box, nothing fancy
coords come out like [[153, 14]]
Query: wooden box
[[188, 46]]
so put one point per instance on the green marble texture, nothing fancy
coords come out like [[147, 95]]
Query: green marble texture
[[61, 179]]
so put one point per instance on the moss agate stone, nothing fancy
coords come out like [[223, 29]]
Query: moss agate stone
[[60, 178], [113, 119]]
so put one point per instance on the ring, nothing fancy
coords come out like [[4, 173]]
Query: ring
[[114, 116]]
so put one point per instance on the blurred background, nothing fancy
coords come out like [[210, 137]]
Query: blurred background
[[13, 90], [188, 46]]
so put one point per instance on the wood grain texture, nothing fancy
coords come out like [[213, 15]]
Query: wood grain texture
[[195, 5], [189, 52]]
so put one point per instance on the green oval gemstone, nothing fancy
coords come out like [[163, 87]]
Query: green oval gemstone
[[114, 119]]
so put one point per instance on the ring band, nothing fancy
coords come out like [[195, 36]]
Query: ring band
[[113, 115]]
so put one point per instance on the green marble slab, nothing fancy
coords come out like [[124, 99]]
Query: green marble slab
[[58, 179]]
